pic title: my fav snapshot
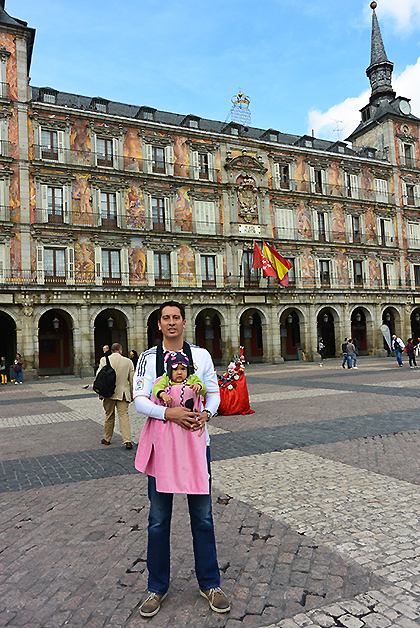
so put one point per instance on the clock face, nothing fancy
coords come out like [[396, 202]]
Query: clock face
[[405, 107]]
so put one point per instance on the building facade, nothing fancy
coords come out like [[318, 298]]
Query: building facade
[[107, 209]]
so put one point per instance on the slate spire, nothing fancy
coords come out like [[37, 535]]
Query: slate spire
[[380, 69]]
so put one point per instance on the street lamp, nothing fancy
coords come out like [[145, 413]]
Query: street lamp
[[207, 321], [56, 323], [388, 317], [250, 320], [417, 317], [325, 318], [110, 322], [358, 317], [289, 319]]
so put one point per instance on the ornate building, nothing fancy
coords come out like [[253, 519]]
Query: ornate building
[[106, 209]]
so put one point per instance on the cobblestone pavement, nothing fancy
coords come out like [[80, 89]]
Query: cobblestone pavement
[[316, 506]]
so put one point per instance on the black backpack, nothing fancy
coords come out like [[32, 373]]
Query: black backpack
[[104, 384]]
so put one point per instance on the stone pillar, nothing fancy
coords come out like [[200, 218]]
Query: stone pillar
[[189, 332], [312, 347], [27, 342], [84, 344]]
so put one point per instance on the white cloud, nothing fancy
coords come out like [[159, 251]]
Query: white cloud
[[341, 119], [405, 12]]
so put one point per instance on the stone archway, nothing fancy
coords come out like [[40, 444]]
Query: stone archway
[[55, 336], [290, 334], [415, 324], [8, 346], [110, 326], [359, 329], [251, 335], [326, 330], [208, 333], [154, 335]]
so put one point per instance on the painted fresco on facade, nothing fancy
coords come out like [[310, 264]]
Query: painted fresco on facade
[[301, 175], [137, 262], [132, 151], [182, 211], [186, 265], [367, 184], [8, 41], [134, 205], [308, 267], [84, 260], [14, 195], [371, 139], [15, 256], [14, 135], [219, 167], [374, 271], [370, 227], [80, 144], [31, 139], [304, 221], [33, 259], [335, 180], [338, 223], [342, 268], [32, 201], [182, 159], [82, 206]]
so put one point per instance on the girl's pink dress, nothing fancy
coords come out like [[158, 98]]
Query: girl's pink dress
[[174, 456]]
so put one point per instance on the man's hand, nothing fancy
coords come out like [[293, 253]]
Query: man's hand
[[187, 419]]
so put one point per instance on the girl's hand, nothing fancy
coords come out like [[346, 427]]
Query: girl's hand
[[167, 399], [195, 388]]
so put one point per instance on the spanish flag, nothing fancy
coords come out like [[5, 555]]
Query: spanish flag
[[279, 263], [260, 261]]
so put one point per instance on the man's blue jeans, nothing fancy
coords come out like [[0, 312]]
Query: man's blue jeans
[[158, 548], [398, 355]]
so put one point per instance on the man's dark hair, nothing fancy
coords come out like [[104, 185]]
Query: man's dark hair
[[116, 347], [172, 304]]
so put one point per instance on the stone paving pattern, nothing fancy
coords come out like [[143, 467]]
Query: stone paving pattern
[[316, 506]]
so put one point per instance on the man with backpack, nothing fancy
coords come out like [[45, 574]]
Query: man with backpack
[[398, 346], [120, 397]]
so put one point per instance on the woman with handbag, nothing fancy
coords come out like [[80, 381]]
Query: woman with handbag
[[17, 367]]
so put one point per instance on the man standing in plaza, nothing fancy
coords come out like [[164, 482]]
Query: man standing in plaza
[[398, 346], [150, 366], [122, 396]]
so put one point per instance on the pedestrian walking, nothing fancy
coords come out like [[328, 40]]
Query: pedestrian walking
[[321, 349], [344, 351], [351, 355], [3, 370], [411, 352], [134, 357], [150, 366], [18, 367], [398, 346], [122, 397]]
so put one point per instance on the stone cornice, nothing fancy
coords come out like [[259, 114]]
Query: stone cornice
[[111, 243], [199, 195], [54, 124], [383, 213], [202, 147], [107, 186], [156, 140], [246, 163], [50, 178], [159, 192], [107, 132]]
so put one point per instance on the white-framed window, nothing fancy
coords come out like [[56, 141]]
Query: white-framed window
[[385, 232], [203, 166], [251, 276], [352, 185], [105, 151], [4, 266], [4, 199], [158, 212], [411, 193], [159, 159], [55, 264], [111, 266], [317, 179], [358, 273], [205, 217], [325, 273], [281, 176], [413, 235], [415, 275], [208, 270], [285, 223], [381, 190], [52, 144], [162, 268], [4, 56], [389, 275], [54, 203], [108, 208]]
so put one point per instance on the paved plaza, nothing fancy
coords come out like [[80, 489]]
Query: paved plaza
[[316, 505]]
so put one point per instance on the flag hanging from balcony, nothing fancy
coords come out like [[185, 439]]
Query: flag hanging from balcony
[[259, 261], [280, 265]]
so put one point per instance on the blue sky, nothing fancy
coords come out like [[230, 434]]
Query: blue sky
[[302, 62]]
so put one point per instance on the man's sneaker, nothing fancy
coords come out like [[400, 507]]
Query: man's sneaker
[[217, 600], [151, 605]]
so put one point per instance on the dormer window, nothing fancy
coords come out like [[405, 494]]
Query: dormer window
[[99, 105], [366, 114], [234, 131], [146, 113], [191, 121], [48, 96], [308, 143]]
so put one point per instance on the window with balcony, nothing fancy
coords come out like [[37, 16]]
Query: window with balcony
[[162, 268], [352, 185], [318, 180], [111, 268], [324, 272], [49, 145], [251, 275], [416, 269], [108, 209], [281, 176], [386, 275], [358, 273], [203, 166], [158, 159], [104, 152], [205, 217], [410, 195], [413, 235], [321, 227], [285, 223], [355, 220], [158, 214], [208, 270], [55, 265], [55, 205], [381, 191], [408, 155]]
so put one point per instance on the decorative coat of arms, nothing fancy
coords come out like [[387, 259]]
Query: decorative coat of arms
[[247, 197]]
